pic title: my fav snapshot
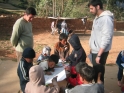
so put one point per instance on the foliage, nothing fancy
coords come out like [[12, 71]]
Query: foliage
[[63, 8], [69, 8], [117, 10]]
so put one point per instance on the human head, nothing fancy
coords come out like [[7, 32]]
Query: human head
[[99, 68], [70, 31], [95, 6], [80, 64], [29, 14], [52, 61], [63, 38], [28, 54], [46, 51], [36, 75], [75, 42], [86, 72]]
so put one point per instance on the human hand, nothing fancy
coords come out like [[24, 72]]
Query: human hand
[[52, 69], [54, 79], [67, 68], [48, 73], [98, 60]]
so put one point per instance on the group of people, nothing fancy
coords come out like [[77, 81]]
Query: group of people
[[81, 74], [60, 27]]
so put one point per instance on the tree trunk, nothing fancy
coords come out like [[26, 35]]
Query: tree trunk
[[53, 8]]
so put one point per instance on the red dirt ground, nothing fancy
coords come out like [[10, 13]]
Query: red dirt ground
[[42, 36]]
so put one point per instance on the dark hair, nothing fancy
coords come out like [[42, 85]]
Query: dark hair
[[95, 3], [87, 72], [28, 53], [99, 68], [70, 31], [30, 10], [54, 58], [62, 36], [79, 65]]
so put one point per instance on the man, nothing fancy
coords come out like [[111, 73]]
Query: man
[[22, 36], [64, 27], [102, 32]]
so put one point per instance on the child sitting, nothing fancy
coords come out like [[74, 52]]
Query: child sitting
[[49, 64], [73, 81], [62, 47], [77, 55], [45, 54], [25, 64], [119, 61], [37, 82], [86, 74]]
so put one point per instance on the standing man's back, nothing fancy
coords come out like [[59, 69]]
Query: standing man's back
[[22, 36]]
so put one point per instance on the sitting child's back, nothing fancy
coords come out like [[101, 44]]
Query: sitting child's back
[[87, 75], [37, 82]]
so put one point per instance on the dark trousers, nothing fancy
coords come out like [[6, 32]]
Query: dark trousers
[[102, 61], [120, 74]]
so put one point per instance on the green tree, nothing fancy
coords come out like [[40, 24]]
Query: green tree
[[117, 10]]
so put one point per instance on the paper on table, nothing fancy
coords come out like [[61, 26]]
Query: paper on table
[[59, 72]]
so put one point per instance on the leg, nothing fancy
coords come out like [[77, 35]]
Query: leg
[[102, 61], [52, 31], [19, 56], [119, 76]]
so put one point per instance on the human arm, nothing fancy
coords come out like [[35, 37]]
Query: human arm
[[118, 60], [98, 78], [99, 55], [106, 35], [40, 58], [25, 72], [55, 85], [16, 33], [56, 49], [67, 50]]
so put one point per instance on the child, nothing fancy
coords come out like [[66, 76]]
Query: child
[[37, 82], [119, 60], [64, 28], [77, 55], [86, 74], [45, 54], [62, 47], [73, 81], [24, 65], [49, 64], [52, 27]]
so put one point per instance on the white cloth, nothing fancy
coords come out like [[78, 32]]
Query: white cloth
[[44, 64]]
